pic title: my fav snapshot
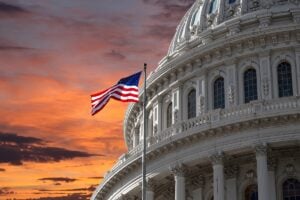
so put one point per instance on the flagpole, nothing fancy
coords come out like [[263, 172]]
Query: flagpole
[[144, 137]]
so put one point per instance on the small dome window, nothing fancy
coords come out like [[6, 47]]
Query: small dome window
[[231, 1], [213, 6]]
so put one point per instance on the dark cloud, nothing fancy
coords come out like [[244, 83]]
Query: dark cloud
[[58, 179], [96, 177], [21, 140], [11, 10], [76, 196], [14, 48], [114, 55], [6, 191], [15, 150], [89, 189]]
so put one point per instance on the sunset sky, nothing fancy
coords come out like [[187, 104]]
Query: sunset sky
[[53, 55]]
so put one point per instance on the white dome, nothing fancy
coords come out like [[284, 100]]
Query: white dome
[[223, 105], [205, 15]]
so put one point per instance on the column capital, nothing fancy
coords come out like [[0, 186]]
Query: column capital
[[178, 169], [261, 149], [217, 158]]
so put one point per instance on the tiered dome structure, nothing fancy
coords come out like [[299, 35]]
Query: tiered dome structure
[[223, 109]]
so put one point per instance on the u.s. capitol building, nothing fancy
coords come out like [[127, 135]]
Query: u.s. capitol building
[[223, 111]]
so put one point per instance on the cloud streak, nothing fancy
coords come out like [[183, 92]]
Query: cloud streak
[[15, 150]]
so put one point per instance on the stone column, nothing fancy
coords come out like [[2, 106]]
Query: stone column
[[231, 173], [150, 189], [218, 176], [297, 52], [272, 184], [198, 185], [179, 177], [136, 135], [262, 172]]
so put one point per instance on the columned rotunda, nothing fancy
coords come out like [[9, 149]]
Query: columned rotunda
[[223, 110]]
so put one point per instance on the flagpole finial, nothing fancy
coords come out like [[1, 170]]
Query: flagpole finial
[[145, 65]]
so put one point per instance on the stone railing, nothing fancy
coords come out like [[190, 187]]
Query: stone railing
[[214, 118]]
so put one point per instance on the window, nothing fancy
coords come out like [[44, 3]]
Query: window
[[231, 1], [212, 6], [251, 192], [291, 189], [219, 93], [169, 115], [250, 85], [191, 107], [285, 84]]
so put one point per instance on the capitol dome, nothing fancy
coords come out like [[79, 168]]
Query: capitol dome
[[223, 110]]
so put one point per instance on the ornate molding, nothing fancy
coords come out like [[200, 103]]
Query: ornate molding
[[178, 169], [217, 158], [261, 150]]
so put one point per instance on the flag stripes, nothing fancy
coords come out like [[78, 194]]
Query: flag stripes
[[121, 91]]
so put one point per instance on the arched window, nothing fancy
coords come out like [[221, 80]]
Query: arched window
[[285, 83], [212, 6], [291, 189], [219, 93], [250, 85], [191, 107], [169, 115], [251, 192], [231, 1]]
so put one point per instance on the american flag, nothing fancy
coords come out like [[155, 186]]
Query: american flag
[[126, 90]]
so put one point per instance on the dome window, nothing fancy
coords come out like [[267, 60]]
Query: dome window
[[169, 115], [219, 93], [250, 85], [191, 104], [231, 1], [291, 189], [251, 193], [212, 6], [285, 83]]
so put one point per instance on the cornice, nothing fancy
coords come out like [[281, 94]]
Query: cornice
[[191, 137]]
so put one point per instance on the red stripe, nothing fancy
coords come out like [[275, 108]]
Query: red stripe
[[119, 87], [114, 92]]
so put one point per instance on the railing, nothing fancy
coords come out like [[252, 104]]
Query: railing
[[255, 109]]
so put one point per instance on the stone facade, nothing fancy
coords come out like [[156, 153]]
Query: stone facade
[[247, 148]]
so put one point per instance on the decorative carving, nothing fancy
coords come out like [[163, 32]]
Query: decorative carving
[[290, 169], [265, 84], [201, 104], [274, 39], [250, 44], [217, 158], [264, 22], [176, 115], [261, 150], [250, 174], [231, 171], [231, 94], [155, 129], [178, 169], [210, 18], [262, 41]]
